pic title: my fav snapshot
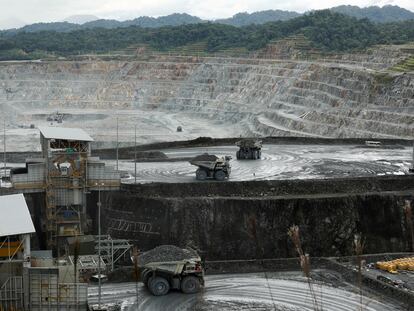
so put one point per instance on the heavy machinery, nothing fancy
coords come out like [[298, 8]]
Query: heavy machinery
[[55, 117], [212, 167], [169, 267], [249, 149]]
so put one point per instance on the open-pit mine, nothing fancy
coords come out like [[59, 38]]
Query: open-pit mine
[[336, 159], [349, 96]]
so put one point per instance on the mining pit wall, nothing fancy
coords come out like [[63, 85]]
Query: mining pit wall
[[220, 96], [245, 220], [129, 152], [156, 148]]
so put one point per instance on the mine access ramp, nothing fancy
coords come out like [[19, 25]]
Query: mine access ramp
[[169, 267], [212, 167], [249, 149]]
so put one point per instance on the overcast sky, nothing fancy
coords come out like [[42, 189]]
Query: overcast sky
[[15, 13]]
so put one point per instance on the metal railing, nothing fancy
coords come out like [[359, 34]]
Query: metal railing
[[11, 294]]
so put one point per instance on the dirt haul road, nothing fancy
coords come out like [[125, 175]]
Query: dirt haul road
[[273, 291], [281, 162]]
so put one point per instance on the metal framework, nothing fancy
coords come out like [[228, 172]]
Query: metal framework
[[87, 262], [46, 293], [15, 228], [65, 175], [77, 146], [12, 290], [12, 294], [9, 249], [112, 250]]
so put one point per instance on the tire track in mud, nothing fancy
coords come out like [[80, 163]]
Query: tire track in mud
[[281, 162], [243, 292]]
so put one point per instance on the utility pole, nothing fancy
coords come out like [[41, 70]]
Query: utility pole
[[99, 246], [117, 145], [4, 148], [412, 163], [135, 154]]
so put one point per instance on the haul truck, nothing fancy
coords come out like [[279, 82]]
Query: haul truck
[[186, 275], [212, 167], [249, 149]]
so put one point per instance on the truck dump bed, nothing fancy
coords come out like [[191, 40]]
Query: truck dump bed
[[249, 143], [172, 267], [167, 258], [205, 160]]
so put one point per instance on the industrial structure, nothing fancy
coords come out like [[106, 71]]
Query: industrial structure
[[65, 173], [15, 228], [28, 283]]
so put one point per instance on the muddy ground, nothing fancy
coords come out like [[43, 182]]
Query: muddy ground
[[282, 291], [279, 162]]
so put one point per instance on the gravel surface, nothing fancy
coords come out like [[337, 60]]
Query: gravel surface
[[205, 157], [284, 291], [166, 253]]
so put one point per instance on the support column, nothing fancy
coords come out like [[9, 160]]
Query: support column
[[26, 250]]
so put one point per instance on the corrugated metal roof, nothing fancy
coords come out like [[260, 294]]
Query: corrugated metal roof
[[64, 133], [14, 215]]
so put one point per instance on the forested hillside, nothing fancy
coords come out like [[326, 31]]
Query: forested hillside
[[326, 30], [387, 13]]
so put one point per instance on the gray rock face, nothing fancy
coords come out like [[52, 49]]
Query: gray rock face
[[343, 96], [247, 220]]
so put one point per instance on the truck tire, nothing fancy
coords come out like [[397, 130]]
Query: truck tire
[[158, 286], [190, 285], [201, 174], [220, 175], [145, 276]]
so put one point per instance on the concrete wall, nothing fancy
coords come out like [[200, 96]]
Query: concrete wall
[[238, 225]]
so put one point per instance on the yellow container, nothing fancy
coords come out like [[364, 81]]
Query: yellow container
[[393, 266], [402, 266]]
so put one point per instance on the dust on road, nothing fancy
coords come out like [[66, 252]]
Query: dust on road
[[258, 291]]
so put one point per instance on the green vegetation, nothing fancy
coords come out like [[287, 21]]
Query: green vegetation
[[383, 78], [244, 19], [405, 66], [19, 54], [387, 13], [325, 30]]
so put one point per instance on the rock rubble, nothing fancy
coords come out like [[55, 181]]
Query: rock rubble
[[166, 253]]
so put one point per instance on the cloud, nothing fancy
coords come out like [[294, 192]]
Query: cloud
[[13, 12]]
